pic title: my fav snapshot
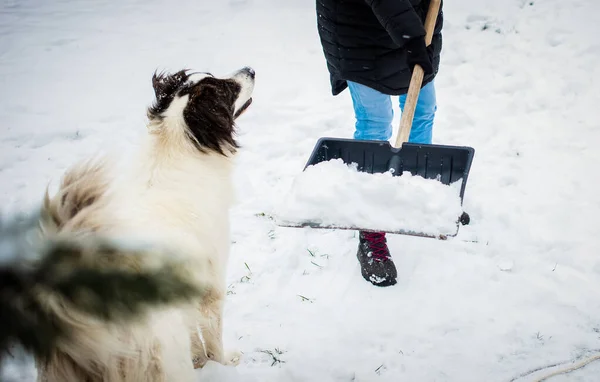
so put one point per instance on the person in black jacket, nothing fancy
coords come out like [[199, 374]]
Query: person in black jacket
[[371, 47]]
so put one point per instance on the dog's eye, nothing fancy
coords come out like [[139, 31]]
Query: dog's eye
[[234, 89]]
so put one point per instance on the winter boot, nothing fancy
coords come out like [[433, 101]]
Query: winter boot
[[375, 261]]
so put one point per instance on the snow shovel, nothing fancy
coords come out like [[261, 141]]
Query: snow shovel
[[447, 164]]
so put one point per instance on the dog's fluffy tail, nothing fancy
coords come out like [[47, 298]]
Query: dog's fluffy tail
[[47, 276], [84, 187]]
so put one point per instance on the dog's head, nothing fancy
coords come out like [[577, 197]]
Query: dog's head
[[207, 105]]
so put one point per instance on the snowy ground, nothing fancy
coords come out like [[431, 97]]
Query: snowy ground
[[516, 291]]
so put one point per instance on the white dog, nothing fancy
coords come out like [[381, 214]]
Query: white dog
[[171, 204]]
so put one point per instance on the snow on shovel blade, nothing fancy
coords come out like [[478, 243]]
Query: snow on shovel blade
[[416, 190]]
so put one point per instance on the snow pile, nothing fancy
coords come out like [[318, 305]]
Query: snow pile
[[334, 194]]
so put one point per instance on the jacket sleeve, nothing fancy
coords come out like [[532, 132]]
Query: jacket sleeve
[[399, 19]]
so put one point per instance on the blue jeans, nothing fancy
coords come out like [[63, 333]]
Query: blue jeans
[[374, 113]]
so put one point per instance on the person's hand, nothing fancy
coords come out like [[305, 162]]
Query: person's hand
[[420, 54]]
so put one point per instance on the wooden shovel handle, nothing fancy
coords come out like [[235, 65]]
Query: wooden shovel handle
[[416, 80]]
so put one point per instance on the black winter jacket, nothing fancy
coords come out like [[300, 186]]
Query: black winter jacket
[[364, 41]]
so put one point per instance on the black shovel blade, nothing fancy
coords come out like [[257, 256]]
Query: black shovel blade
[[448, 164]]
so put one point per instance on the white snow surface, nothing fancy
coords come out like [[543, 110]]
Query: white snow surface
[[334, 194], [517, 291]]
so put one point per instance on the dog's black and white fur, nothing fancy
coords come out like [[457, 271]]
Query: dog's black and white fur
[[169, 209]]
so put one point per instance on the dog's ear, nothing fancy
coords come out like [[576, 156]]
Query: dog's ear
[[166, 84], [158, 83], [165, 87], [162, 85]]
